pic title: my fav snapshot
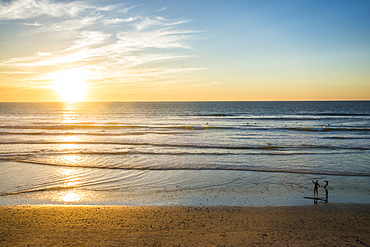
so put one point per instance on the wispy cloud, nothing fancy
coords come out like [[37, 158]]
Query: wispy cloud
[[118, 20], [32, 24], [27, 9], [162, 9], [111, 41]]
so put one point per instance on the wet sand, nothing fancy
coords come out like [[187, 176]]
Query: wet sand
[[315, 225]]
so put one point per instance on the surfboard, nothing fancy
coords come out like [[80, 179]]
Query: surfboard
[[315, 198]]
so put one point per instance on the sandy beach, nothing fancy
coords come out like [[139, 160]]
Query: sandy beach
[[314, 225]]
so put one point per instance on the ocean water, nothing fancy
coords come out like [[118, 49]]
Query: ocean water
[[183, 153]]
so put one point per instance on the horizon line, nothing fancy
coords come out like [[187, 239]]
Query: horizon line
[[184, 101]]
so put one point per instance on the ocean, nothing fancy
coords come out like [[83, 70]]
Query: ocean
[[184, 153]]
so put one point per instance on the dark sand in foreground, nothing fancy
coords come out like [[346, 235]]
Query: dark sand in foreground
[[316, 225]]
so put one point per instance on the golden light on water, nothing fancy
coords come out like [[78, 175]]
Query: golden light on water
[[68, 171], [70, 84], [71, 179], [70, 196], [72, 159], [69, 117], [69, 147], [69, 138]]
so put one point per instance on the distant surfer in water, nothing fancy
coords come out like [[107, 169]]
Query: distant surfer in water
[[316, 188]]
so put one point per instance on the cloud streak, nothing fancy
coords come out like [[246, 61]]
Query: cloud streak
[[112, 42], [27, 9]]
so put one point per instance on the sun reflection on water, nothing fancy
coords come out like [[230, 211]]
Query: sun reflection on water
[[69, 113], [69, 138], [69, 141], [68, 171], [71, 159], [71, 179], [70, 196]]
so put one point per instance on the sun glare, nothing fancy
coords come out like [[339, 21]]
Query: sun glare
[[71, 197], [70, 84]]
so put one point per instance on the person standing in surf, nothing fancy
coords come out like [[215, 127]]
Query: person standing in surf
[[325, 189], [316, 188]]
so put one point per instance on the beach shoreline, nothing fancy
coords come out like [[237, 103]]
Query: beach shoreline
[[324, 224]]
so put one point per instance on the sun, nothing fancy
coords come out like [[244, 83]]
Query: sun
[[70, 84]]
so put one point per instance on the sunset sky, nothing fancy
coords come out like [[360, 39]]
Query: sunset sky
[[167, 50]]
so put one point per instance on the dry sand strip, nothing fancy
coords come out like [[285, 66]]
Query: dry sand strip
[[316, 225]]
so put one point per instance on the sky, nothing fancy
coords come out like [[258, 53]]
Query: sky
[[172, 50]]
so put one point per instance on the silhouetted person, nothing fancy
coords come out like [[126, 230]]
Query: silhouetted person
[[326, 190], [316, 188]]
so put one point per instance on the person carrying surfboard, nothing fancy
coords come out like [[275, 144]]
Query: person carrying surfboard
[[316, 188], [325, 189]]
